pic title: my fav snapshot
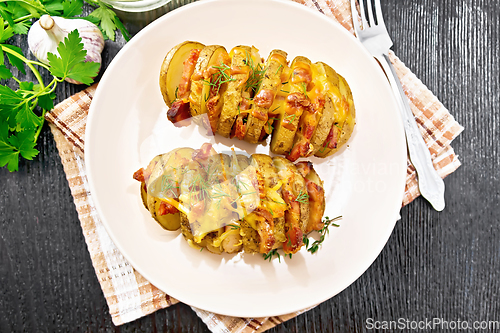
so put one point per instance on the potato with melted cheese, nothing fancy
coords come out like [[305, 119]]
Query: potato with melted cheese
[[236, 98], [264, 98], [328, 82], [290, 105], [208, 84], [343, 124], [295, 195], [233, 203], [307, 109], [172, 67], [159, 186]]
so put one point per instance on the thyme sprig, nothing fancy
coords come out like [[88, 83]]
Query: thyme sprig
[[323, 232], [273, 253]]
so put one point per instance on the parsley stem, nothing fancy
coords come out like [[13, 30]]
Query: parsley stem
[[16, 79], [29, 63], [20, 19], [39, 130], [43, 91]]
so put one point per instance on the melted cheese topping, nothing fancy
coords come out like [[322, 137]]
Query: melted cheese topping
[[331, 88], [319, 87]]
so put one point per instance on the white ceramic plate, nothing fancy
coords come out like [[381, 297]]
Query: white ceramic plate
[[127, 127]]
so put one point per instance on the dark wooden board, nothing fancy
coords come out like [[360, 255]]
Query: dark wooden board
[[435, 265]]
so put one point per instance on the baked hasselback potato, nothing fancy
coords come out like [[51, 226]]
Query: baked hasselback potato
[[233, 203], [306, 108]]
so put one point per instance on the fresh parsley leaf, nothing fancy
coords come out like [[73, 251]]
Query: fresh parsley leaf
[[8, 115], [46, 101], [20, 119], [92, 19], [84, 72], [35, 8], [28, 86], [5, 33], [106, 20], [70, 51], [15, 61], [71, 61], [4, 129], [122, 28], [9, 156], [5, 72], [27, 118], [9, 96], [21, 28], [72, 8], [6, 14], [23, 141], [54, 7], [20, 143]]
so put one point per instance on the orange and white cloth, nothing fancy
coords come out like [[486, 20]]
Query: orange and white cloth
[[131, 296]]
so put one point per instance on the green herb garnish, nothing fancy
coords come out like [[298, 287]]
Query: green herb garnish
[[269, 256], [220, 77], [323, 232], [22, 110], [255, 76], [303, 197], [304, 88], [280, 67], [290, 118]]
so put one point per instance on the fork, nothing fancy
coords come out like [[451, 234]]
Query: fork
[[375, 38]]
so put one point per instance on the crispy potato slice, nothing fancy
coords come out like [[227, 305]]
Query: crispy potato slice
[[264, 98], [290, 105], [167, 170], [172, 68], [316, 194], [200, 77], [209, 82], [232, 241], [328, 82], [294, 182], [319, 116], [168, 221], [343, 126], [273, 201], [244, 60], [324, 125], [295, 195]]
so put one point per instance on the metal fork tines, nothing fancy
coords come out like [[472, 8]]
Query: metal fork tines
[[372, 33]]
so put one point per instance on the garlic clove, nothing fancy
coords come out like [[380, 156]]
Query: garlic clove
[[45, 35]]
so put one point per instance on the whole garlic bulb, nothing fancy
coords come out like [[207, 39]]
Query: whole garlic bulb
[[45, 34]]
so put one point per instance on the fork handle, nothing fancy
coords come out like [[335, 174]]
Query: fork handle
[[430, 184]]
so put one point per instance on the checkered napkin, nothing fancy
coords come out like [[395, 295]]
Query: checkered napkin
[[131, 296]]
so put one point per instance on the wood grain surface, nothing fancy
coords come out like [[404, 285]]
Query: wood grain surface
[[435, 265]]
